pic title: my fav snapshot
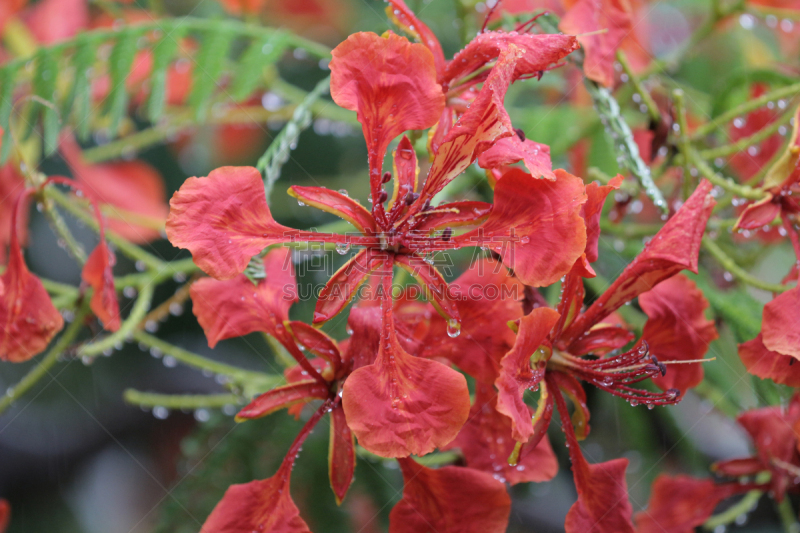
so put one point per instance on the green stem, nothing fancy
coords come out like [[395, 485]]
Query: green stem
[[647, 100], [125, 330], [181, 266], [47, 362], [430, 460], [750, 105], [743, 191], [129, 249], [788, 518], [745, 142], [742, 507], [738, 272], [683, 139], [252, 382], [629, 231], [180, 401], [59, 225]]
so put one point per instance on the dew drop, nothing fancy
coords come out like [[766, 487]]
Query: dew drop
[[453, 328]]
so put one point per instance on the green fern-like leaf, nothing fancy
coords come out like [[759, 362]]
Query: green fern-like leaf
[[163, 55], [120, 64], [208, 69], [44, 88], [260, 54]]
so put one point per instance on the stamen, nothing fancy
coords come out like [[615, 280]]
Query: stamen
[[386, 177], [521, 28]]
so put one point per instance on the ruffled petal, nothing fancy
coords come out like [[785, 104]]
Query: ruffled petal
[[516, 372], [337, 204], [766, 364], [317, 343], [391, 84], [487, 298], [224, 220], [677, 330], [344, 284], [402, 405], [758, 214], [282, 398], [484, 122], [510, 150], [236, 307], [28, 319], [680, 504], [675, 247], [596, 196], [486, 443], [97, 272], [132, 190], [535, 226], [364, 323], [341, 455], [405, 19], [608, 22], [780, 327], [539, 52], [449, 500]]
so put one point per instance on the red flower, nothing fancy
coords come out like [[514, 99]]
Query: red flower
[[534, 225], [680, 504], [677, 330], [550, 345], [592, 17], [28, 319], [450, 499]]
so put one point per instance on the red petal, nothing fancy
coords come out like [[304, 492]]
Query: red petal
[[766, 364], [51, 21], [780, 329], [759, 214], [600, 340], [680, 504], [344, 284], [571, 301], [391, 84], [5, 514], [749, 466], [403, 405], [28, 319], [535, 226], [365, 339], [236, 307], [337, 204], [580, 414], [433, 282], [283, 398], [611, 22], [449, 500], [133, 189], [486, 442], [510, 150], [406, 171], [539, 52], [485, 122], [674, 248], [772, 430], [677, 330], [12, 183], [596, 196], [454, 214], [341, 455], [224, 220], [516, 374], [405, 19], [317, 342], [98, 273], [487, 299]]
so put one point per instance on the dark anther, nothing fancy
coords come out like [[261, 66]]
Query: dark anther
[[411, 198], [382, 196], [446, 234], [426, 205], [520, 134], [663, 368], [791, 361], [651, 368], [674, 393], [386, 177]]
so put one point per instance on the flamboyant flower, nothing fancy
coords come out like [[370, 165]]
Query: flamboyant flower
[[133, 190], [28, 319], [535, 226], [550, 352], [460, 75], [604, 24]]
